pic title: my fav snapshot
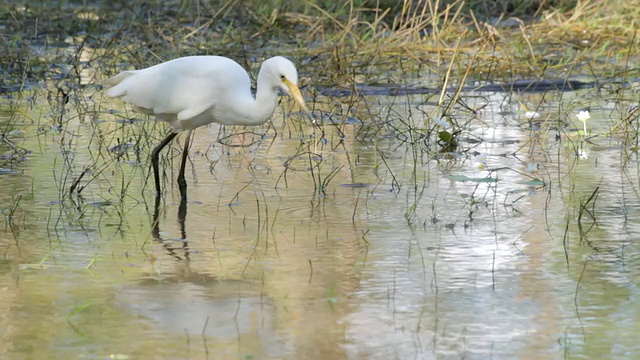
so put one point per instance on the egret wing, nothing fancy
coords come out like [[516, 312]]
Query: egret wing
[[184, 87]]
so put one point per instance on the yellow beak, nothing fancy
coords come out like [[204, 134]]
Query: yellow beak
[[295, 94], [294, 91]]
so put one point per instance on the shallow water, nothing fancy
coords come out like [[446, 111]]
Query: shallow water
[[356, 240]]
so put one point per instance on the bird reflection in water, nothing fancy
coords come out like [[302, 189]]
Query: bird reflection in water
[[180, 253]]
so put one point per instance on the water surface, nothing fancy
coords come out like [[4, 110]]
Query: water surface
[[361, 238]]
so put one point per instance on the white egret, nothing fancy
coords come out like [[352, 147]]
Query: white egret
[[193, 91]]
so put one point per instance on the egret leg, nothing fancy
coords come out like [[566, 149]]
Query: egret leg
[[155, 158], [182, 182]]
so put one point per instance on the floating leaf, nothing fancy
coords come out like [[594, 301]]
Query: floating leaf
[[477, 180], [101, 203], [355, 185], [533, 182], [445, 136], [4, 171], [458, 177]]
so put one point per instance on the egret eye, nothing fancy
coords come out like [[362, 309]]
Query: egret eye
[[282, 77]]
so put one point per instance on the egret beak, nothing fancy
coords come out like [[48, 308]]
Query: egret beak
[[294, 91]]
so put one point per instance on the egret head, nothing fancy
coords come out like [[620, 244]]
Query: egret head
[[283, 74]]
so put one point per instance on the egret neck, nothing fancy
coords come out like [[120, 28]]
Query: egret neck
[[257, 111]]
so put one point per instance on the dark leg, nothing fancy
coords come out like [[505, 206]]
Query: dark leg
[[182, 182], [155, 226], [182, 217], [154, 159]]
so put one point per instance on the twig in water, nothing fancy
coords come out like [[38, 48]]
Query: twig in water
[[77, 181]]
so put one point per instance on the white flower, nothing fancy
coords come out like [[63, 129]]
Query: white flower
[[441, 122], [531, 115], [481, 162], [584, 116], [531, 168], [583, 153]]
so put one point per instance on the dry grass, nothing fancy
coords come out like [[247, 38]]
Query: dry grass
[[349, 39]]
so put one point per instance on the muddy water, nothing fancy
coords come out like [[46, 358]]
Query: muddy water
[[294, 243]]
